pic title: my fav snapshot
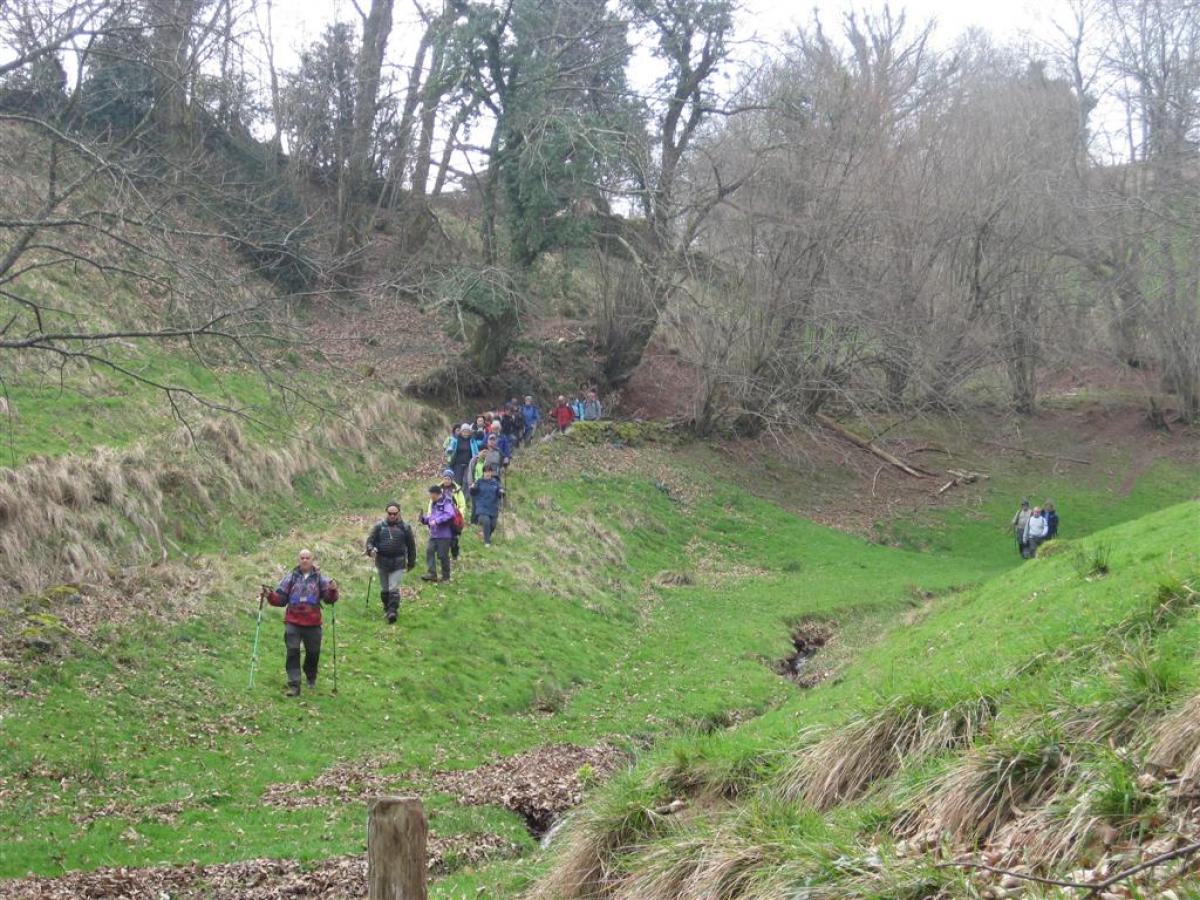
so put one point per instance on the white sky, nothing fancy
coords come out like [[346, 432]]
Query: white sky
[[298, 22]]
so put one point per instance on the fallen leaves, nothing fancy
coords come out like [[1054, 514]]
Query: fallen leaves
[[338, 878], [538, 785]]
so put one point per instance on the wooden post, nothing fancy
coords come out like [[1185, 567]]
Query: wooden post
[[396, 833]]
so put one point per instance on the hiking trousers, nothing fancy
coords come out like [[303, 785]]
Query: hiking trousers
[[460, 473], [310, 637], [389, 586], [438, 549], [389, 578], [489, 526]]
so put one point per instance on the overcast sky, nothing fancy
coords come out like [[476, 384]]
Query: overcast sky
[[298, 22]]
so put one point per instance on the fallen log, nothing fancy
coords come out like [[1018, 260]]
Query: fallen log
[[960, 478], [870, 448]]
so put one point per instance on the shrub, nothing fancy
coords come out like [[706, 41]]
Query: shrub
[[632, 434]]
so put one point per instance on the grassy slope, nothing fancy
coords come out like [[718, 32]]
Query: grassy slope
[[1038, 639], [160, 731]]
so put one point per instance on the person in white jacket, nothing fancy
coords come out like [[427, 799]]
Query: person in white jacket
[[1036, 530]]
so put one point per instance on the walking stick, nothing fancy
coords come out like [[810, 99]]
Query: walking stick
[[367, 595], [262, 596], [333, 612]]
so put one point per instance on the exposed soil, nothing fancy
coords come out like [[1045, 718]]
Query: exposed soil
[[808, 638], [538, 785], [663, 387], [381, 339], [338, 878]]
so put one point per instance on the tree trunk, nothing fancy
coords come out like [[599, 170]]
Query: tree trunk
[[172, 22], [492, 339], [356, 171]]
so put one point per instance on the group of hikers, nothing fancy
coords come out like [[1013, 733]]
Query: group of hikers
[[476, 456], [1033, 526]]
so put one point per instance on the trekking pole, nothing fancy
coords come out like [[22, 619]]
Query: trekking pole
[[262, 596], [333, 612], [367, 596]]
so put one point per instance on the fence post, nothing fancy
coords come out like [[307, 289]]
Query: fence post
[[396, 834]]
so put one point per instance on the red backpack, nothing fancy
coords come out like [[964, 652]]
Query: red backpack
[[458, 522]]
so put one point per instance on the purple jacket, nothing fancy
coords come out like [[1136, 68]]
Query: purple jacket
[[439, 519]]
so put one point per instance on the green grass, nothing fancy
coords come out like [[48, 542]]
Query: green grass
[[155, 728], [1109, 655], [80, 407]]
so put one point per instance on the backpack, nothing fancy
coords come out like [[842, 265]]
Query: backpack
[[457, 524]]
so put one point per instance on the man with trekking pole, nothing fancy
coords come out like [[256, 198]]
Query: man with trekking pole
[[394, 549], [301, 592]]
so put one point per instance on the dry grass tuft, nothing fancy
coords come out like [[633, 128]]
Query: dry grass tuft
[[989, 787], [843, 765], [75, 518], [1175, 746], [732, 859]]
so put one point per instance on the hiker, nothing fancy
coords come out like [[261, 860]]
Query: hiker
[[511, 423], [440, 520], [488, 456], [392, 546], [1035, 531], [452, 489], [562, 414], [487, 494], [1051, 521], [530, 415], [592, 411], [479, 431], [503, 444], [577, 408], [302, 591], [459, 452], [1019, 521]]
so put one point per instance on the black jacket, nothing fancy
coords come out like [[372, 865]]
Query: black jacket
[[394, 545]]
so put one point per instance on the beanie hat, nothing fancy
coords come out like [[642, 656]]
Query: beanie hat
[[449, 473]]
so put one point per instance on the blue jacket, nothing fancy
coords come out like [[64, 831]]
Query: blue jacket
[[487, 493], [531, 415], [577, 408], [504, 445]]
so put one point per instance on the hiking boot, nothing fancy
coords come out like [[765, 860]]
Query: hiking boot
[[312, 684], [391, 617], [429, 576], [293, 690]]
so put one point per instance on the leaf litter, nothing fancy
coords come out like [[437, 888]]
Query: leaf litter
[[337, 878]]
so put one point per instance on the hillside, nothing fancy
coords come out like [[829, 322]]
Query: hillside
[[636, 611], [762, 633]]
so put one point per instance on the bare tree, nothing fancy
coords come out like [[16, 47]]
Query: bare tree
[[359, 163], [87, 170], [692, 39]]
